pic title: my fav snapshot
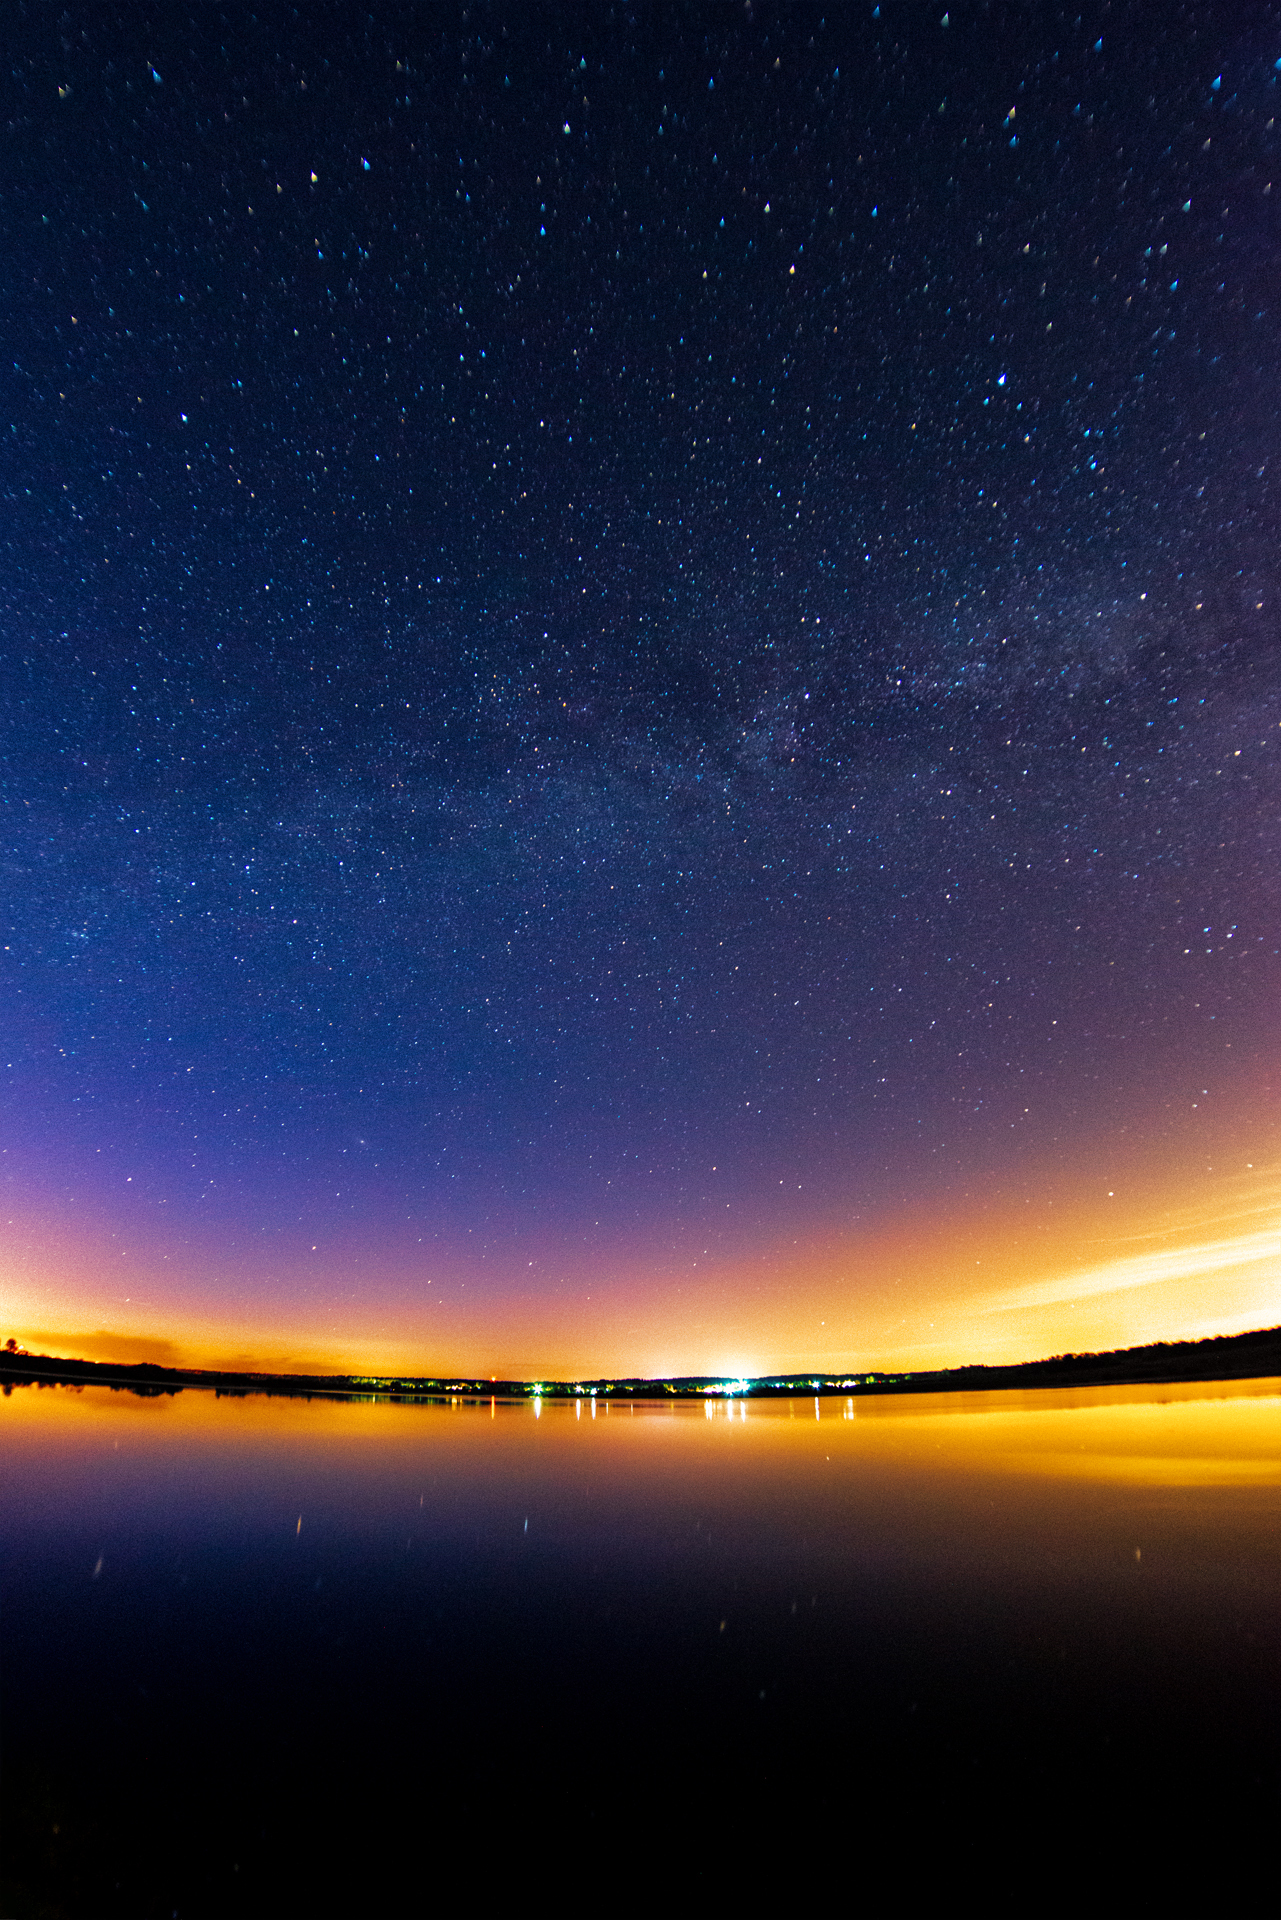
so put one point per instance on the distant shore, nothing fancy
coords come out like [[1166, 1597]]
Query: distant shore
[[1240, 1356]]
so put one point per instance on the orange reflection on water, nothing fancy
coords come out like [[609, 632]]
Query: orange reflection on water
[[1198, 1435]]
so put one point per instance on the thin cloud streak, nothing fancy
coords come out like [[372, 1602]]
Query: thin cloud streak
[[1175, 1264]]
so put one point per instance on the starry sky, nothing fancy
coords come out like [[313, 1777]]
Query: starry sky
[[641, 691]]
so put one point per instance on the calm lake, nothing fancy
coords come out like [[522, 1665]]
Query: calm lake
[[264, 1655]]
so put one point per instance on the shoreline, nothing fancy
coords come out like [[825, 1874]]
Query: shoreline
[[1241, 1356]]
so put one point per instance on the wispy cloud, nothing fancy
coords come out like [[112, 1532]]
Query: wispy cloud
[[1164, 1266]]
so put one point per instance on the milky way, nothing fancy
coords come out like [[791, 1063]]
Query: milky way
[[623, 629]]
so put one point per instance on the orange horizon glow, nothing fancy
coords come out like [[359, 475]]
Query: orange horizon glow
[[1067, 1266]]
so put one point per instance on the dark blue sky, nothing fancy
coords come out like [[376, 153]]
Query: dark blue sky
[[588, 595]]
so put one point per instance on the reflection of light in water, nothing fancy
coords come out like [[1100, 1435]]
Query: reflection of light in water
[[931, 1541], [1212, 1434]]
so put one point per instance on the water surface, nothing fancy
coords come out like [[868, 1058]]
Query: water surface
[[257, 1650]]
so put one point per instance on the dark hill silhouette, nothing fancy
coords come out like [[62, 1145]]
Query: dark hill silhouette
[[1240, 1356]]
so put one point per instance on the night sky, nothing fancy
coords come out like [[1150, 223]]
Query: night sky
[[641, 691]]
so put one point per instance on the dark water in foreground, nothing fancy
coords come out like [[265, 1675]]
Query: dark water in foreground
[[665, 1654]]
